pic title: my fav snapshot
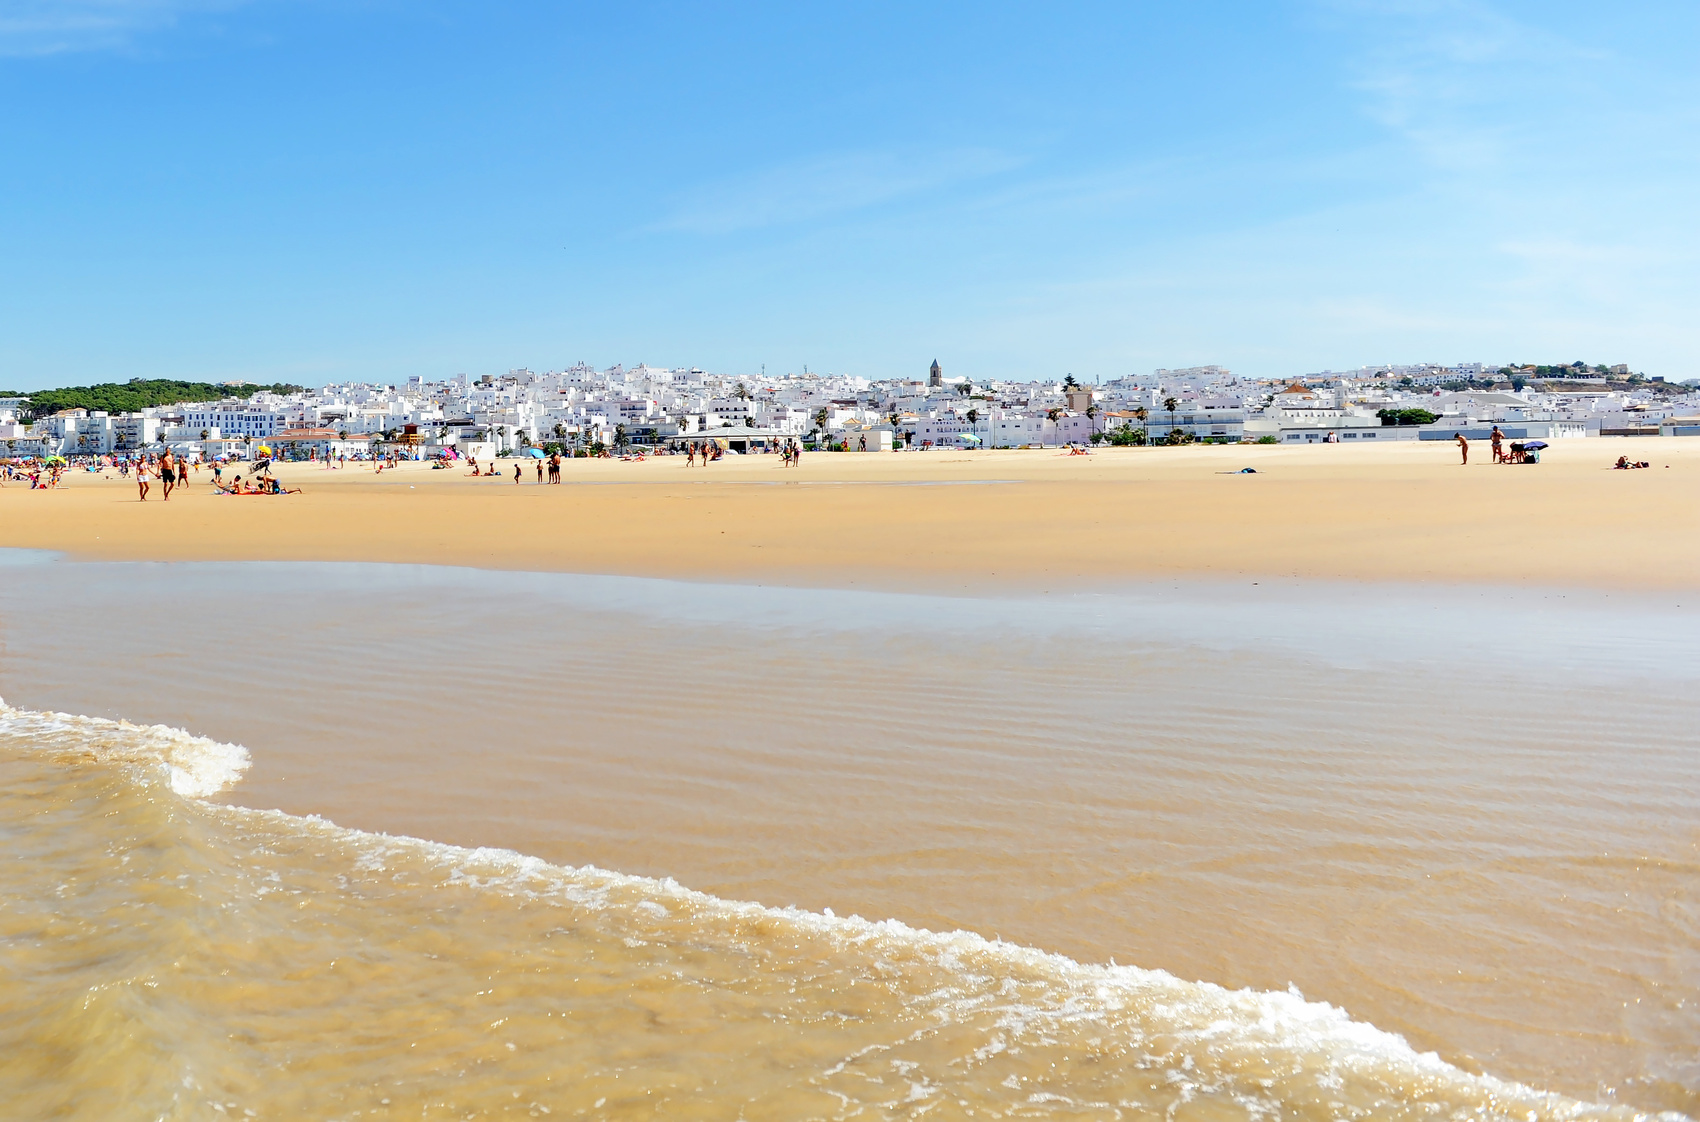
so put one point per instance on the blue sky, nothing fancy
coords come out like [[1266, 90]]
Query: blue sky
[[314, 190]]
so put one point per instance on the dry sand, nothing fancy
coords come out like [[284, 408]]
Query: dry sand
[[947, 520]]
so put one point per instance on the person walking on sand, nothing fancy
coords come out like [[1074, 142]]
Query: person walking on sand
[[142, 480], [1463, 446], [167, 473], [516, 475], [1498, 453]]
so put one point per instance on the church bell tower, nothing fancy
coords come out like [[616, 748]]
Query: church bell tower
[[935, 377]]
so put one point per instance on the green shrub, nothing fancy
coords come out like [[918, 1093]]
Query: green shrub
[[1268, 440], [1406, 417]]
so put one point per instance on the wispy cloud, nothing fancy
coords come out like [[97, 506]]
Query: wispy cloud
[[1459, 79], [824, 187], [48, 27]]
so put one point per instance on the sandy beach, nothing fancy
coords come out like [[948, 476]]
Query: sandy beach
[[944, 520], [1386, 769]]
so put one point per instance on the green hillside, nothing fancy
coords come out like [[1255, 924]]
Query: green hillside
[[138, 393]]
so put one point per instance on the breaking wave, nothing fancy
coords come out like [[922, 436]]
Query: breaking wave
[[177, 958]]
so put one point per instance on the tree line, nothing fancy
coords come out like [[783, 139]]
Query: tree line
[[134, 395]]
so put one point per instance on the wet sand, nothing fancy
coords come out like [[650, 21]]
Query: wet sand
[[1465, 815], [949, 520]]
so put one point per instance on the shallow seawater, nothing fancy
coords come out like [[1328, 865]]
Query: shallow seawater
[[1375, 852]]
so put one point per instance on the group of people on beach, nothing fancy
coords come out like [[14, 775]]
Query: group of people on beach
[[1516, 454], [39, 476], [708, 451], [172, 471], [258, 485]]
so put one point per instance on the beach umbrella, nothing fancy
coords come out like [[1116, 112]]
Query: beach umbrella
[[54, 460], [535, 453], [1534, 445], [263, 450]]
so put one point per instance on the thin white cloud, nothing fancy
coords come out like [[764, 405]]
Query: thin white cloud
[[1459, 79], [825, 187], [48, 27]]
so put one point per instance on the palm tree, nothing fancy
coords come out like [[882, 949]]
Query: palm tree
[[1092, 420], [620, 438], [965, 388], [1143, 417], [820, 421], [1070, 384], [1171, 405]]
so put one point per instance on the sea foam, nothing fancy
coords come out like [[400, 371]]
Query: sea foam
[[1203, 1034], [194, 766]]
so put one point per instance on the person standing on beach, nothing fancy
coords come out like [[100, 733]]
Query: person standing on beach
[[1498, 453], [167, 473], [1463, 446], [516, 475], [142, 479], [539, 471]]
